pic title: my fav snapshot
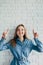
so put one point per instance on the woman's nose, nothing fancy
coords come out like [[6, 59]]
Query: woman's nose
[[20, 31]]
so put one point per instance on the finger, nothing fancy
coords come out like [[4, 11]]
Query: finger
[[33, 31]]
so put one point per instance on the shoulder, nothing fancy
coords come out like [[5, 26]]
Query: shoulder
[[29, 41], [12, 42]]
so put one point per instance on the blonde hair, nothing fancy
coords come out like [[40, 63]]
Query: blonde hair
[[13, 41]]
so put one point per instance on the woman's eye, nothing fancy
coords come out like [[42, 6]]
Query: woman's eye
[[22, 29], [18, 30]]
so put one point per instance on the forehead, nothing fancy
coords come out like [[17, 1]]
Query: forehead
[[20, 27]]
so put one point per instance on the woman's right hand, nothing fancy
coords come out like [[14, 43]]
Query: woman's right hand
[[35, 34], [5, 33]]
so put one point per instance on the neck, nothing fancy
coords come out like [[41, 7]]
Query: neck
[[21, 38]]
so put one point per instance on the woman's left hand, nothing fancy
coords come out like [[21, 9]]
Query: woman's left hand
[[35, 34]]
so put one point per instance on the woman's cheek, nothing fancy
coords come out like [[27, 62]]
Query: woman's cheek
[[17, 33]]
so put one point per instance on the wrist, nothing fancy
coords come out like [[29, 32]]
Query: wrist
[[3, 38]]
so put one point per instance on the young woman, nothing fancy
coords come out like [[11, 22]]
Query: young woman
[[21, 46]]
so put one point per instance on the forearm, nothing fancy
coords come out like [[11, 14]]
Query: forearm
[[4, 45], [2, 40], [39, 44]]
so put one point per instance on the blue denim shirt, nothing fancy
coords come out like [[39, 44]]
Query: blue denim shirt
[[22, 50]]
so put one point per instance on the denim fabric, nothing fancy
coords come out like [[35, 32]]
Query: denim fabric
[[22, 50]]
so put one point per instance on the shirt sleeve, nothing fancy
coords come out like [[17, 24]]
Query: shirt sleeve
[[39, 45], [2, 40], [4, 45]]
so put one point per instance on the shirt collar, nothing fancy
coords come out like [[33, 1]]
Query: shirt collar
[[18, 41]]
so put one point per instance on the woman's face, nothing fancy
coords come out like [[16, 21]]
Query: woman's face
[[20, 31]]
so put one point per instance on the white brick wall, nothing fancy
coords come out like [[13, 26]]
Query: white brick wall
[[28, 12]]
